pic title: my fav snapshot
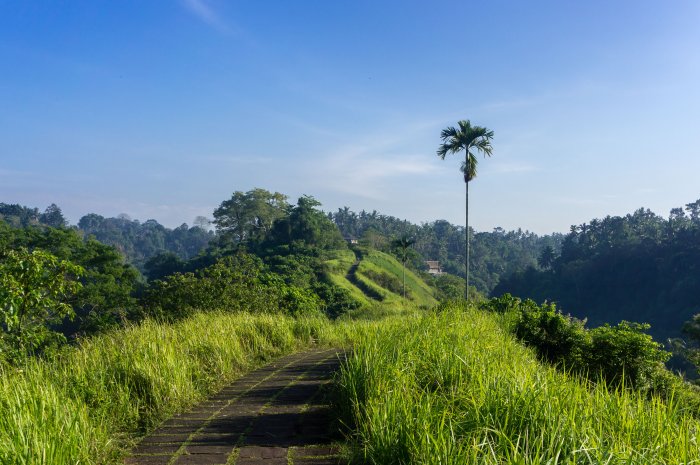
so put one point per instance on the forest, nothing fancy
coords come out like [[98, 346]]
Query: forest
[[639, 267]]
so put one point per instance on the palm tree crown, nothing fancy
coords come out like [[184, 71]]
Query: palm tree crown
[[467, 138]]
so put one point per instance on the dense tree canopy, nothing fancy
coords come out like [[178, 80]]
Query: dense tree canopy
[[107, 283], [141, 241], [249, 216], [638, 267]]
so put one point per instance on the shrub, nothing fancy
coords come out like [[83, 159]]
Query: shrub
[[556, 337], [621, 354], [624, 353]]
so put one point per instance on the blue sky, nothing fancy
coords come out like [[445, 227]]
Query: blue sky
[[162, 109]]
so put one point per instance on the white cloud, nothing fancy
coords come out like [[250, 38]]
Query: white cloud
[[364, 171], [202, 10]]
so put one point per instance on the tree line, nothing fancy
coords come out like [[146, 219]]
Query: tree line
[[638, 267]]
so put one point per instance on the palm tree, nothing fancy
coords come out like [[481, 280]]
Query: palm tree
[[401, 246], [468, 138]]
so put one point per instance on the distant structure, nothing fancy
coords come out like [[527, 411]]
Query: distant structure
[[351, 240], [434, 267]]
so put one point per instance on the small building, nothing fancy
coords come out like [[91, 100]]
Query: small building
[[351, 240], [434, 267]]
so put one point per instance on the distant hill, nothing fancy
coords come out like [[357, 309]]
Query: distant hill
[[372, 276]]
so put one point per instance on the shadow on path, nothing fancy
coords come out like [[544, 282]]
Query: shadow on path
[[275, 415]]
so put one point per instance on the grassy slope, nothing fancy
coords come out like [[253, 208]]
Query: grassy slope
[[374, 261], [453, 388], [420, 292], [88, 404], [338, 268]]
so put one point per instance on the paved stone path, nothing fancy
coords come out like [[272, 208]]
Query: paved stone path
[[274, 415]]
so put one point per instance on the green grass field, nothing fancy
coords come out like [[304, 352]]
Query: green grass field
[[454, 388], [446, 386], [375, 270], [90, 403]]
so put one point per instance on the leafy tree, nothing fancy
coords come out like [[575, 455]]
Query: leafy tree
[[35, 288], [470, 139], [18, 216], [449, 287], [108, 284], [138, 242], [306, 229], [249, 215], [202, 222], [621, 354], [53, 216]]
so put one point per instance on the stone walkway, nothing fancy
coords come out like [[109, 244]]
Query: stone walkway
[[274, 415]]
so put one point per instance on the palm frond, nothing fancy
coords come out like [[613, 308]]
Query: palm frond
[[466, 137]]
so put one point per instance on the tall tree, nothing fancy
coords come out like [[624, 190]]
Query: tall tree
[[250, 215], [401, 246], [53, 216], [470, 139]]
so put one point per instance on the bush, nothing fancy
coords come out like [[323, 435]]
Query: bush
[[621, 354], [559, 339], [624, 353]]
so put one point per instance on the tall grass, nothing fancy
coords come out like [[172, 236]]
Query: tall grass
[[453, 388], [88, 404]]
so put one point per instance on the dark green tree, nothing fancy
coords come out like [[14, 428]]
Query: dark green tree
[[471, 139], [53, 216], [546, 258]]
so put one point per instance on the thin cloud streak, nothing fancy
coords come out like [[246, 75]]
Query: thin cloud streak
[[206, 13]]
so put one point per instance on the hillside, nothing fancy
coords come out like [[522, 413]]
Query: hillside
[[453, 387], [372, 276]]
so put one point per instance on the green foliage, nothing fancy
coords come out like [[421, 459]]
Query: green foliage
[[559, 339], [138, 242], [636, 267], [470, 139], [235, 284], [163, 264], [449, 287], [18, 216], [249, 216], [624, 353], [108, 284], [306, 228], [91, 402], [621, 354], [452, 387], [34, 289]]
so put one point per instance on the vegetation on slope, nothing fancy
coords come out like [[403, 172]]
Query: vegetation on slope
[[89, 402], [386, 272], [453, 387]]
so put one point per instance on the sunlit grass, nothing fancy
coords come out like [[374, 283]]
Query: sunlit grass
[[90, 403], [453, 388], [422, 293]]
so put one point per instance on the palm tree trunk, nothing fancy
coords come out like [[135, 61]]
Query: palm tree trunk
[[466, 260], [404, 280]]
